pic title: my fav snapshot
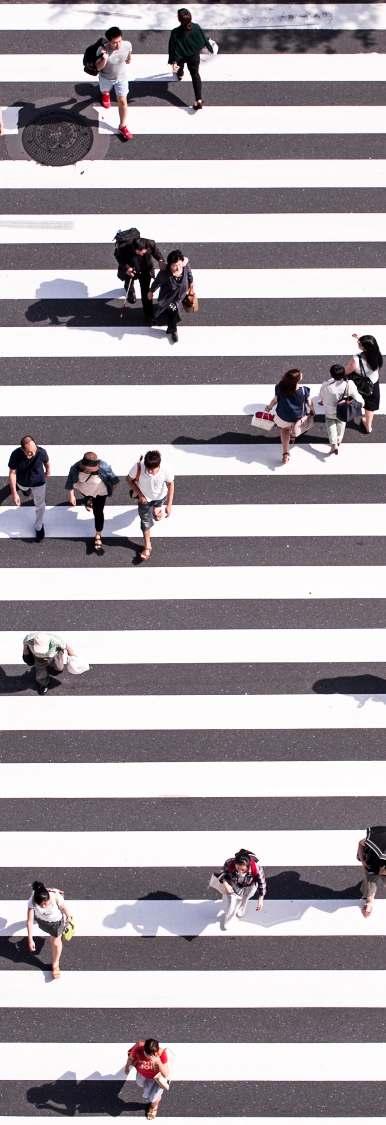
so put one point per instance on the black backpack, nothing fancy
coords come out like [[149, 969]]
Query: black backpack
[[90, 57], [124, 237]]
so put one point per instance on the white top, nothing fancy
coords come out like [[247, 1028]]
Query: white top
[[52, 912], [153, 485], [90, 484], [116, 68], [373, 375], [334, 389]]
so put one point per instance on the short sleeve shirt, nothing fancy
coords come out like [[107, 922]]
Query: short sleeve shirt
[[29, 470], [153, 485], [116, 68], [143, 1065], [50, 913]]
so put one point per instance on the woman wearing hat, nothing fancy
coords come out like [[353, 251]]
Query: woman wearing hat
[[94, 480]]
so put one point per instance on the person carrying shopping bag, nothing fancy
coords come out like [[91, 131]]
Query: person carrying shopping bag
[[46, 907], [185, 44], [293, 412], [336, 393], [152, 1065], [241, 877]]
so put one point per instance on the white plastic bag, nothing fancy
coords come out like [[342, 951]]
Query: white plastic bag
[[206, 55], [77, 666]]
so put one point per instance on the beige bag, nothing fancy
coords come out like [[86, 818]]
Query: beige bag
[[215, 884], [161, 1081]]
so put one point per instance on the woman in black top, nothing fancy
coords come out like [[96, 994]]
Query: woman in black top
[[173, 283], [185, 44]]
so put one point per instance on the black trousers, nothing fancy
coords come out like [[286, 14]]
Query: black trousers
[[145, 282], [193, 65], [44, 667], [173, 318], [98, 503]]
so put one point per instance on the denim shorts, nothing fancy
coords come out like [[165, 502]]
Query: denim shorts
[[121, 87], [146, 513]]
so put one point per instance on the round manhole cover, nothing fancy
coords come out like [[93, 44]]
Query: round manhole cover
[[57, 138]]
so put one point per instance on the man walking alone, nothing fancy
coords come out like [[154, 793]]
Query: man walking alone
[[112, 61], [29, 469]]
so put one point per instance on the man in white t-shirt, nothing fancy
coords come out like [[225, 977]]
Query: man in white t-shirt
[[152, 483], [111, 62]]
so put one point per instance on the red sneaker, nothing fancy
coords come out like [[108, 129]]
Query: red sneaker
[[106, 102], [125, 133]]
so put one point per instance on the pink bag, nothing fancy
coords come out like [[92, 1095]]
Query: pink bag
[[263, 420]]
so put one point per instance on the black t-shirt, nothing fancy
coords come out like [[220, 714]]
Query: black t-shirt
[[29, 470]]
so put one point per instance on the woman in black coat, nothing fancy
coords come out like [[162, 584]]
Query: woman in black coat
[[173, 283], [185, 44]]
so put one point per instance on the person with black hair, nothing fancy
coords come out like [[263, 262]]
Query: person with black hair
[[364, 368], [174, 284], [136, 262], [152, 1065], [241, 876], [372, 855], [152, 483], [46, 907], [185, 44], [292, 408], [111, 63], [332, 391]]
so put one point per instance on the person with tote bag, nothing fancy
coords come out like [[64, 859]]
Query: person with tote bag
[[47, 908], [340, 398], [185, 44], [293, 412], [153, 1068]]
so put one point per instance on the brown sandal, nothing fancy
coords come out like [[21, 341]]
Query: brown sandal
[[151, 1111], [285, 458], [55, 972], [145, 554]]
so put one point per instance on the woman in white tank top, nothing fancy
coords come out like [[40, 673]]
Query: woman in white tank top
[[366, 366], [47, 907]]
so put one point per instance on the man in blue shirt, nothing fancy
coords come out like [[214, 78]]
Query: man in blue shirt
[[29, 469]]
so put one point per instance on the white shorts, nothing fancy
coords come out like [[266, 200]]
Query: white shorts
[[121, 87]]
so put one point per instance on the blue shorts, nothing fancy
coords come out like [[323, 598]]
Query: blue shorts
[[146, 513], [121, 87]]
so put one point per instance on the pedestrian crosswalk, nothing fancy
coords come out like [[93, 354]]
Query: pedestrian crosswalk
[[237, 688]]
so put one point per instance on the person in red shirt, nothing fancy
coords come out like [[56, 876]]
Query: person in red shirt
[[152, 1066]]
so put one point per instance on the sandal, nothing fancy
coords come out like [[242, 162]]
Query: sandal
[[151, 1111], [285, 458], [145, 554], [55, 972], [198, 104], [367, 908], [98, 545]]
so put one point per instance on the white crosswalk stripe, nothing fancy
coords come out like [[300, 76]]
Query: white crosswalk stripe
[[305, 583], [221, 284], [219, 710], [256, 340], [254, 228], [166, 918]]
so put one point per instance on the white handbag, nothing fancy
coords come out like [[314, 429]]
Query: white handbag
[[215, 884], [77, 666], [263, 420]]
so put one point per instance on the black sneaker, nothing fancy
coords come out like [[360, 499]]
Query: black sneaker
[[174, 336], [42, 690], [40, 535]]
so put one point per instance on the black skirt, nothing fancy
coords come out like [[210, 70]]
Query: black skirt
[[372, 401]]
